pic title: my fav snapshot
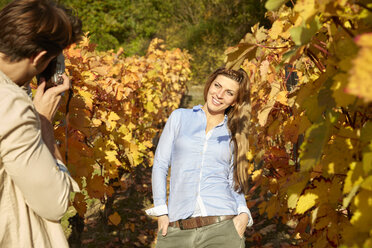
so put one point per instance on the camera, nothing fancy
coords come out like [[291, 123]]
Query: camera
[[53, 72]]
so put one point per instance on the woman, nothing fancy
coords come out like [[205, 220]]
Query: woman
[[201, 145]]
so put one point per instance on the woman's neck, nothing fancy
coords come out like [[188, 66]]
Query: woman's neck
[[212, 119]]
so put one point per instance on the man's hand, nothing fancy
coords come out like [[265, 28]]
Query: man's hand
[[240, 223], [47, 103], [163, 223]]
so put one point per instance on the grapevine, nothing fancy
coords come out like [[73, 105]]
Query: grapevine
[[311, 126]]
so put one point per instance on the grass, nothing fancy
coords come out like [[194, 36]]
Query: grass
[[193, 96]]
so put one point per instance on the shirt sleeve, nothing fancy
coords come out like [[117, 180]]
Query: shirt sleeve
[[28, 161], [161, 166], [239, 197]]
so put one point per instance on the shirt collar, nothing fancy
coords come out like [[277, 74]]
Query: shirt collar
[[6, 78], [199, 108], [25, 88]]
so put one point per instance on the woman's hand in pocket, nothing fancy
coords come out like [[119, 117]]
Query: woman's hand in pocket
[[240, 223], [163, 223]]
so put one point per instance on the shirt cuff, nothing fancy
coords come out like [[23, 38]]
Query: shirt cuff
[[157, 211], [62, 167], [244, 209]]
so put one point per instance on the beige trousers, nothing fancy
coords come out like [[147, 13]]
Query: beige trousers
[[219, 235]]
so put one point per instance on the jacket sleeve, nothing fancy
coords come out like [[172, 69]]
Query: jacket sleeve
[[161, 165], [28, 161]]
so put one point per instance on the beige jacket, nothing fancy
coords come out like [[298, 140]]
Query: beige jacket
[[34, 192]]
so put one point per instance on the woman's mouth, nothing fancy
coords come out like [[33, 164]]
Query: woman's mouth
[[215, 101]]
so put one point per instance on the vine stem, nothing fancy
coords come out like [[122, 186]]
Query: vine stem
[[324, 51], [315, 59], [268, 47], [364, 6], [337, 21]]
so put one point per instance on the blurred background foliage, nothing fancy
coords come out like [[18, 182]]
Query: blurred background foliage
[[204, 27]]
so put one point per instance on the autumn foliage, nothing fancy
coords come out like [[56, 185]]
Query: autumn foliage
[[117, 108], [311, 127]]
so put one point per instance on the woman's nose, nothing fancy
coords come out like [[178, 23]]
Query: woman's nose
[[220, 93]]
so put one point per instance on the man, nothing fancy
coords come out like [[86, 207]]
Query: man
[[34, 183]]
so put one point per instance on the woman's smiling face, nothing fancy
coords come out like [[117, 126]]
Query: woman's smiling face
[[222, 93]]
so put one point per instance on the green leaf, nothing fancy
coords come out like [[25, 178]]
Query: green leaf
[[367, 159], [302, 35], [316, 137], [366, 132], [274, 4], [312, 109], [367, 183]]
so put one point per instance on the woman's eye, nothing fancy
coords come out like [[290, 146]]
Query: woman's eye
[[216, 85], [230, 93]]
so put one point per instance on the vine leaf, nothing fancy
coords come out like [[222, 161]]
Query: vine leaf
[[362, 70], [303, 34], [236, 55], [315, 139], [115, 218], [274, 4]]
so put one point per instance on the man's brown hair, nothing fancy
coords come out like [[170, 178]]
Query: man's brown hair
[[28, 27]]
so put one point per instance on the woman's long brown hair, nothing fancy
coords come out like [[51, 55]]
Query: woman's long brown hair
[[238, 123]]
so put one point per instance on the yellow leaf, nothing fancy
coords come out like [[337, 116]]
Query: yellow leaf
[[111, 156], [281, 97], [367, 183], [88, 98], [150, 107], [101, 70], [249, 155], [274, 186], [115, 218], [148, 143], [360, 81], [294, 192], [337, 156], [131, 126], [264, 68], [341, 97], [111, 120], [126, 132], [96, 122], [354, 177], [256, 174], [362, 217], [306, 9], [305, 202], [276, 29]]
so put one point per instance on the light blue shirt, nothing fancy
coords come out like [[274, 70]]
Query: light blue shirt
[[201, 181]]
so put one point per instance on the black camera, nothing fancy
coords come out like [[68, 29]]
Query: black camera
[[53, 72]]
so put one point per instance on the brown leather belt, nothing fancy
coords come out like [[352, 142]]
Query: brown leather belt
[[195, 222]]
